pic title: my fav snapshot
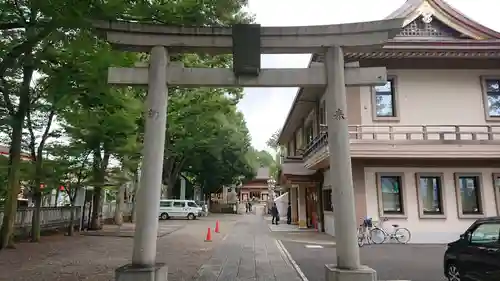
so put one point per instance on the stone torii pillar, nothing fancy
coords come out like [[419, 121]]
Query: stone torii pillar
[[161, 40]]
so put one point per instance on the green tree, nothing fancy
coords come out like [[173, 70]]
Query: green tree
[[197, 125], [224, 160], [29, 31], [70, 168], [46, 37], [260, 158], [272, 142], [40, 118]]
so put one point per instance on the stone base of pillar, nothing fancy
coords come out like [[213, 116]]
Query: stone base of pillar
[[364, 273], [130, 272], [302, 224]]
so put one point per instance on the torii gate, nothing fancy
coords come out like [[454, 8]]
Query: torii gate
[[247, 43]]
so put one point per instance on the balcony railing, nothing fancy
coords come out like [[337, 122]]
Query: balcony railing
[[418, 133]]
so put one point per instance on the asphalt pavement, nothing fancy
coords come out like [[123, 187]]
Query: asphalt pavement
[[391, 261]]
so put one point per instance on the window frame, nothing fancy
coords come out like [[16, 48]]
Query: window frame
[[458, 196], [395, 101], [484, 93], [308, 128], [496, 191], [442, 198], [327, 207], [380, 201]]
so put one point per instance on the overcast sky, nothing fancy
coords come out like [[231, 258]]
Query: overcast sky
[[265, 109]]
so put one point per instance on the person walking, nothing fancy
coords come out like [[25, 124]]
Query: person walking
[[275, 214], [289, 214]]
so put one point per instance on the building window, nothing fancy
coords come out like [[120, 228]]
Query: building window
[[385, 100], [309, 133], [468, 188], [298, 141], [327, 200], [492, 97], [430, 193], [390, 194]]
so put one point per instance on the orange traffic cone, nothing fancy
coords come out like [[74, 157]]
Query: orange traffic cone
[[209, 236], [217, 226]]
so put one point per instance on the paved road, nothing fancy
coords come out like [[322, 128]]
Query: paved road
[[248, 253], [391, 261]]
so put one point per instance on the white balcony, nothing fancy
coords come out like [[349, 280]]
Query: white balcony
[[412, 141]]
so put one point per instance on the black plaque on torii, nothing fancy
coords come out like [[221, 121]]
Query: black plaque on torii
[[246, 49]]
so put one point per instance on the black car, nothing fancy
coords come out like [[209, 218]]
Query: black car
[[476, 255]]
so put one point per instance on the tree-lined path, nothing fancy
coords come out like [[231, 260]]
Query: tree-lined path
[[66, 129]]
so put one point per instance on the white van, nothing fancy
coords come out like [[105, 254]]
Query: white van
[[172, 208]]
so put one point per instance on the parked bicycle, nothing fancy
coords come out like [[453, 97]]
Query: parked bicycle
[[363, 232], [379, 234]]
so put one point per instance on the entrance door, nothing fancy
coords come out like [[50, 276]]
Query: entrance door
[[311, 201]]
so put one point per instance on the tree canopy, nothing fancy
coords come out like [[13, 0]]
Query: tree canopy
[[56, 105]]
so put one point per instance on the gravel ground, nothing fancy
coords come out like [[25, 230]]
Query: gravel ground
[[95, 258]]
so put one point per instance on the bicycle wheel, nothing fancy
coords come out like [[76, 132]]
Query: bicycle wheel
[[402, 235], [377, 235]]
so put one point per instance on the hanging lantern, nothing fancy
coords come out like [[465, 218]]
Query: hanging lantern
[[61, 188]]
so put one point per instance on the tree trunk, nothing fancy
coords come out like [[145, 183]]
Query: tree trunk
[[169, 189], [37, 196], [99, 170], [120, 198], [18, 117], [95, 223], [57, 197], [10, 208], [71, 225], [35, 222], [136, 183], [132, 212]]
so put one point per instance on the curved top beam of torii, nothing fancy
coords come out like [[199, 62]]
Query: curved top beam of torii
[[290, 39]]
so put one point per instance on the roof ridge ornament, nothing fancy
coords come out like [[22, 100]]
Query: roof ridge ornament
[[427, 17], [427, 12]]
